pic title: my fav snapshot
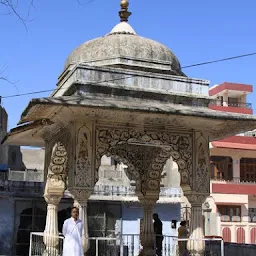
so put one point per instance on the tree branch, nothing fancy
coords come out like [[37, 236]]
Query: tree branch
[[4, 78], [12, 9]]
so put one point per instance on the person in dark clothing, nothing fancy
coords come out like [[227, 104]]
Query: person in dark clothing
[[158, 229]]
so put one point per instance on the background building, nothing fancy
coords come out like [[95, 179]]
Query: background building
[[233, 170]]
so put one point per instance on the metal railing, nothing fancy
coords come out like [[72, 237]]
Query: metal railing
[[240, 179], [240, 105], [230, 104], [37, 245], [128, 245]]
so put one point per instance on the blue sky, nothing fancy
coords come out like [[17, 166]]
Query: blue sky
[[196, 31]]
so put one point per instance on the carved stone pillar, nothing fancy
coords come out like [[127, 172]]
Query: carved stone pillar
[[199, 192], [83, 176], [148, 236], [54, 190], [51, 233], [196, 245], [81, 204], [145, 165]]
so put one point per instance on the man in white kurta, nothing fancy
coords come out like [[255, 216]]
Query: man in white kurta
[[72, 231]]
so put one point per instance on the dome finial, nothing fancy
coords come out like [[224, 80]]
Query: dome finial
[[124, 14]]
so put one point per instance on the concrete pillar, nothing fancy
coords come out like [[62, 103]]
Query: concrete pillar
[[219, 101], [82, 206], [233, 234], [236, 169], [247, 234], [51, 233], [225, 99], [195, 245], [243, 99]]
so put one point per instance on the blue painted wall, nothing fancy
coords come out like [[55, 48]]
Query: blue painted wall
[[6, 226]]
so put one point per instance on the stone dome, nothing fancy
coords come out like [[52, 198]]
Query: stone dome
[[123, 42]]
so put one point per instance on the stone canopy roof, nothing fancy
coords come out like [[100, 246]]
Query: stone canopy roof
[[51, 112]]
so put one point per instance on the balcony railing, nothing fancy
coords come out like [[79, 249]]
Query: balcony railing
[[240, 105], [230, 104], [244, 219], [232, 180]]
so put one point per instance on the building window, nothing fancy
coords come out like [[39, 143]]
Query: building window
[[252, 214], [229, 210], [248, 169], [221, 167]]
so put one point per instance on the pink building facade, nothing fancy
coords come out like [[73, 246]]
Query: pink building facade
[[233, 170]]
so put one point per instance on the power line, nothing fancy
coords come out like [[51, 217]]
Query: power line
[[37, 92], [127, 77], [220, 60], [85, 3]]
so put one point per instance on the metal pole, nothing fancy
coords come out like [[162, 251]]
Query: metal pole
[[222, 248], [30, 245], [121, 245], [121, 235], [97, 247], [186, 212]]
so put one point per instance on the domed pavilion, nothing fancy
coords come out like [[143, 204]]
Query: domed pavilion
[[125, 96]]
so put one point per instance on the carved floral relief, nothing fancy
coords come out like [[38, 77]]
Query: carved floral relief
[[83, 173]]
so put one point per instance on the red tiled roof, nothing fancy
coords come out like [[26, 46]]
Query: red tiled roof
[[236, 142], [230, 86]]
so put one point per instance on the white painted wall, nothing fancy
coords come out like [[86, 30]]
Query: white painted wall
[[230, 199], [167, 212]]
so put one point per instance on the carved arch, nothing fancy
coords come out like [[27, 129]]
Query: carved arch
[[177, 145]]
